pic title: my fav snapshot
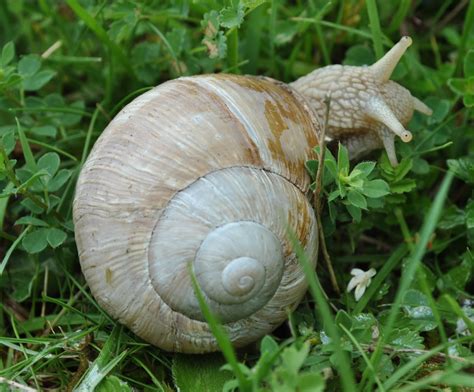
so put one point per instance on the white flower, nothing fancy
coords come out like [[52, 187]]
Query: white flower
[[360, 281]]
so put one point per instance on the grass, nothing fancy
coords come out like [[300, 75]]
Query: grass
[[67, 68]]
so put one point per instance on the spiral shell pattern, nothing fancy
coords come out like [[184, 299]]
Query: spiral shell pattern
[[206, 172]]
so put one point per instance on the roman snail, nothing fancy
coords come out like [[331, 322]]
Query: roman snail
[[210, 170]]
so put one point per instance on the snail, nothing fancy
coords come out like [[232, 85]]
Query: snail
[[209, 170]]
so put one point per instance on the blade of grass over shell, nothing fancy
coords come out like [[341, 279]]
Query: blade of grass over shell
[[378, 279], [118, 106], [411, 266], [104, 363], [343, 365], [220, 334], [375, 27]]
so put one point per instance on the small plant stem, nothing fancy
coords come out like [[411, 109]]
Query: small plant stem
[[317, 200], [233, 44], [404, 228]]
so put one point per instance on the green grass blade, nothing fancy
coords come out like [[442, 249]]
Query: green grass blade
[[467, 31], [343, 363], [413, 364], [27, 153], [375, 27], [219, 333], [10, 250], [364, 357], [104, 363], [413, 263]]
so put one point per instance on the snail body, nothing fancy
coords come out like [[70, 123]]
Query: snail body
[[209, 171]]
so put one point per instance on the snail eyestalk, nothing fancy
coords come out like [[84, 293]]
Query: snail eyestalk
[[383, 68], [378, 110], [421, 107]]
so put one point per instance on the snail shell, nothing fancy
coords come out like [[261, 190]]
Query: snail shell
[[207, 170]]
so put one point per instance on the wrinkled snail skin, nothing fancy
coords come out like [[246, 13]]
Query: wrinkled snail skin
[[210, 171]]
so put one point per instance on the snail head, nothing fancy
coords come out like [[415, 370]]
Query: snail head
[[367, 109]]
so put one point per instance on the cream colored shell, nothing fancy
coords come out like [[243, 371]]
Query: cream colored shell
[[207, 170]]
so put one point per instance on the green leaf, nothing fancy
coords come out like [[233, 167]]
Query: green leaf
[[342, 160], [355, 212], [268, 345], [470, 214], [9, 142], [29, 65], [365, 167], [460, 275], [35, 241], [458, 85], [22, 276], [375, 188], [286, 31], [49, 162], [45, 130], [31, 220], [463, 168], [420, 166], [38, 80], [468, 101], [56, 237], [310, 382], [8, 53], [232, 16], [469, 64], [357, 199], [210, 22], [452, 217], [251, 4], [359, 55], [406, 338], [312, 167], [293, 358], [199, 373], [405, 185], [59, 180], [113, 384], [440, 107]]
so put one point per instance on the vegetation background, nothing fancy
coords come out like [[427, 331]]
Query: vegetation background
[[67, 67]]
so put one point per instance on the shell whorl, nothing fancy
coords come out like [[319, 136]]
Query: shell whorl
[[209, 171]]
